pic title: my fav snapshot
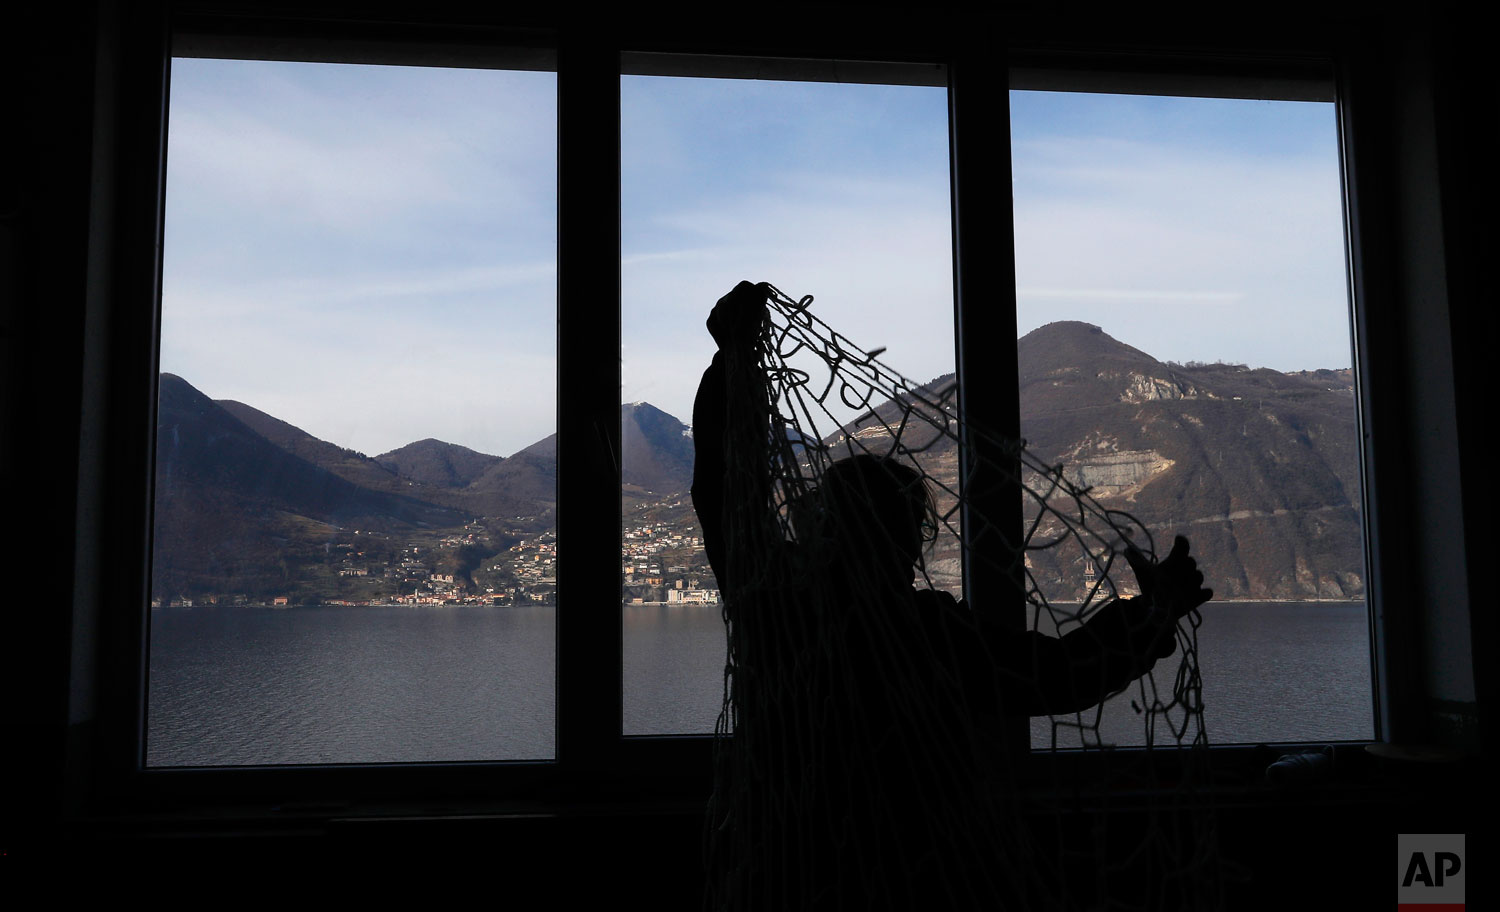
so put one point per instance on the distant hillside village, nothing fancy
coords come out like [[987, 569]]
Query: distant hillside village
[[665, 565], [662, 563], [426, 572]]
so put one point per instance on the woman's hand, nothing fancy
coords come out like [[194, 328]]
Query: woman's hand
[[737, 319], [1174, 585]]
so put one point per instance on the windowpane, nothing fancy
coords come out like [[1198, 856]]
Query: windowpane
[[835, 190], [358, 260], [1185, 350]]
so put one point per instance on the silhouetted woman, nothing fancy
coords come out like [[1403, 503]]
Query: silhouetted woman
[[866, 712]]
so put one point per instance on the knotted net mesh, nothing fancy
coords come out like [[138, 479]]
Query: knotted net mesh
[[881, 756]]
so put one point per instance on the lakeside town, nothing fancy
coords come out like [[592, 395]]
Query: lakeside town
[[662, 563]]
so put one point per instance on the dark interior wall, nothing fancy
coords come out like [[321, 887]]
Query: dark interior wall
[[1329, 848], [56, 254], [44, 250], [1463, 77]]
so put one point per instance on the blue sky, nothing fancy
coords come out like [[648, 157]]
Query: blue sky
[[837, 191], [1193, 229], [368, 252]]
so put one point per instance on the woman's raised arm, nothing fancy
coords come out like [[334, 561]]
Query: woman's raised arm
[[1042, 675], [731, 490]]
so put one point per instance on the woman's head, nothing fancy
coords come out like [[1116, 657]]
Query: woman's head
[[878, 508]]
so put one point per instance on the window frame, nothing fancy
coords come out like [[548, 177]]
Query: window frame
[[591, 750]]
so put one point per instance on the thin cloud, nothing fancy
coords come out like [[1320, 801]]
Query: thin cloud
[[1138, 294], [266, 298]]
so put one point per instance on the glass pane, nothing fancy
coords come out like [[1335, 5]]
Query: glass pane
[[1185, 349], [837, 191], [359, 260]]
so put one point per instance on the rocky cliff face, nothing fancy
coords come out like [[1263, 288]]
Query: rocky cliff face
[[1098, 463], [1145, 388]]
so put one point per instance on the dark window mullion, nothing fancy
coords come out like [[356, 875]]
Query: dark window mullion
[[127, 226], [1366, 136], [984, 285], [588, 386]]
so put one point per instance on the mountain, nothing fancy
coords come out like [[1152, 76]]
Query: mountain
[[658, 458], [347, 464], [201, 444], [432, 471], [658, 450], [248, 503], [433, 462], [232, 507], [1259, 468], [522, 488]]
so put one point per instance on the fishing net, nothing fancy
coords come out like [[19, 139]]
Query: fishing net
[[881, 756]]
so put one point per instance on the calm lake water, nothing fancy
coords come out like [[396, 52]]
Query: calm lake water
[[234, 686]]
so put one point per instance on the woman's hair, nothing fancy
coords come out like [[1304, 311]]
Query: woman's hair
[[881, 499]]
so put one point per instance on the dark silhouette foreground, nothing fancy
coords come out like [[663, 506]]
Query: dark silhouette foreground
[[868, 714]]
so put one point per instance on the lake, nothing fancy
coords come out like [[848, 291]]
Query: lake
[[237, 686]]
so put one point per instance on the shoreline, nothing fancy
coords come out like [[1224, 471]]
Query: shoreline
[[1217, 601]]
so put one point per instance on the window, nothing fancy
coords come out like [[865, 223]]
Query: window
[[355, 539], [1182, 295], [836, 190], [839, 189], [589, 648], [1177, 222]]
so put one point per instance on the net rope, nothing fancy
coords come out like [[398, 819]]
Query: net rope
[[867, 768]]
